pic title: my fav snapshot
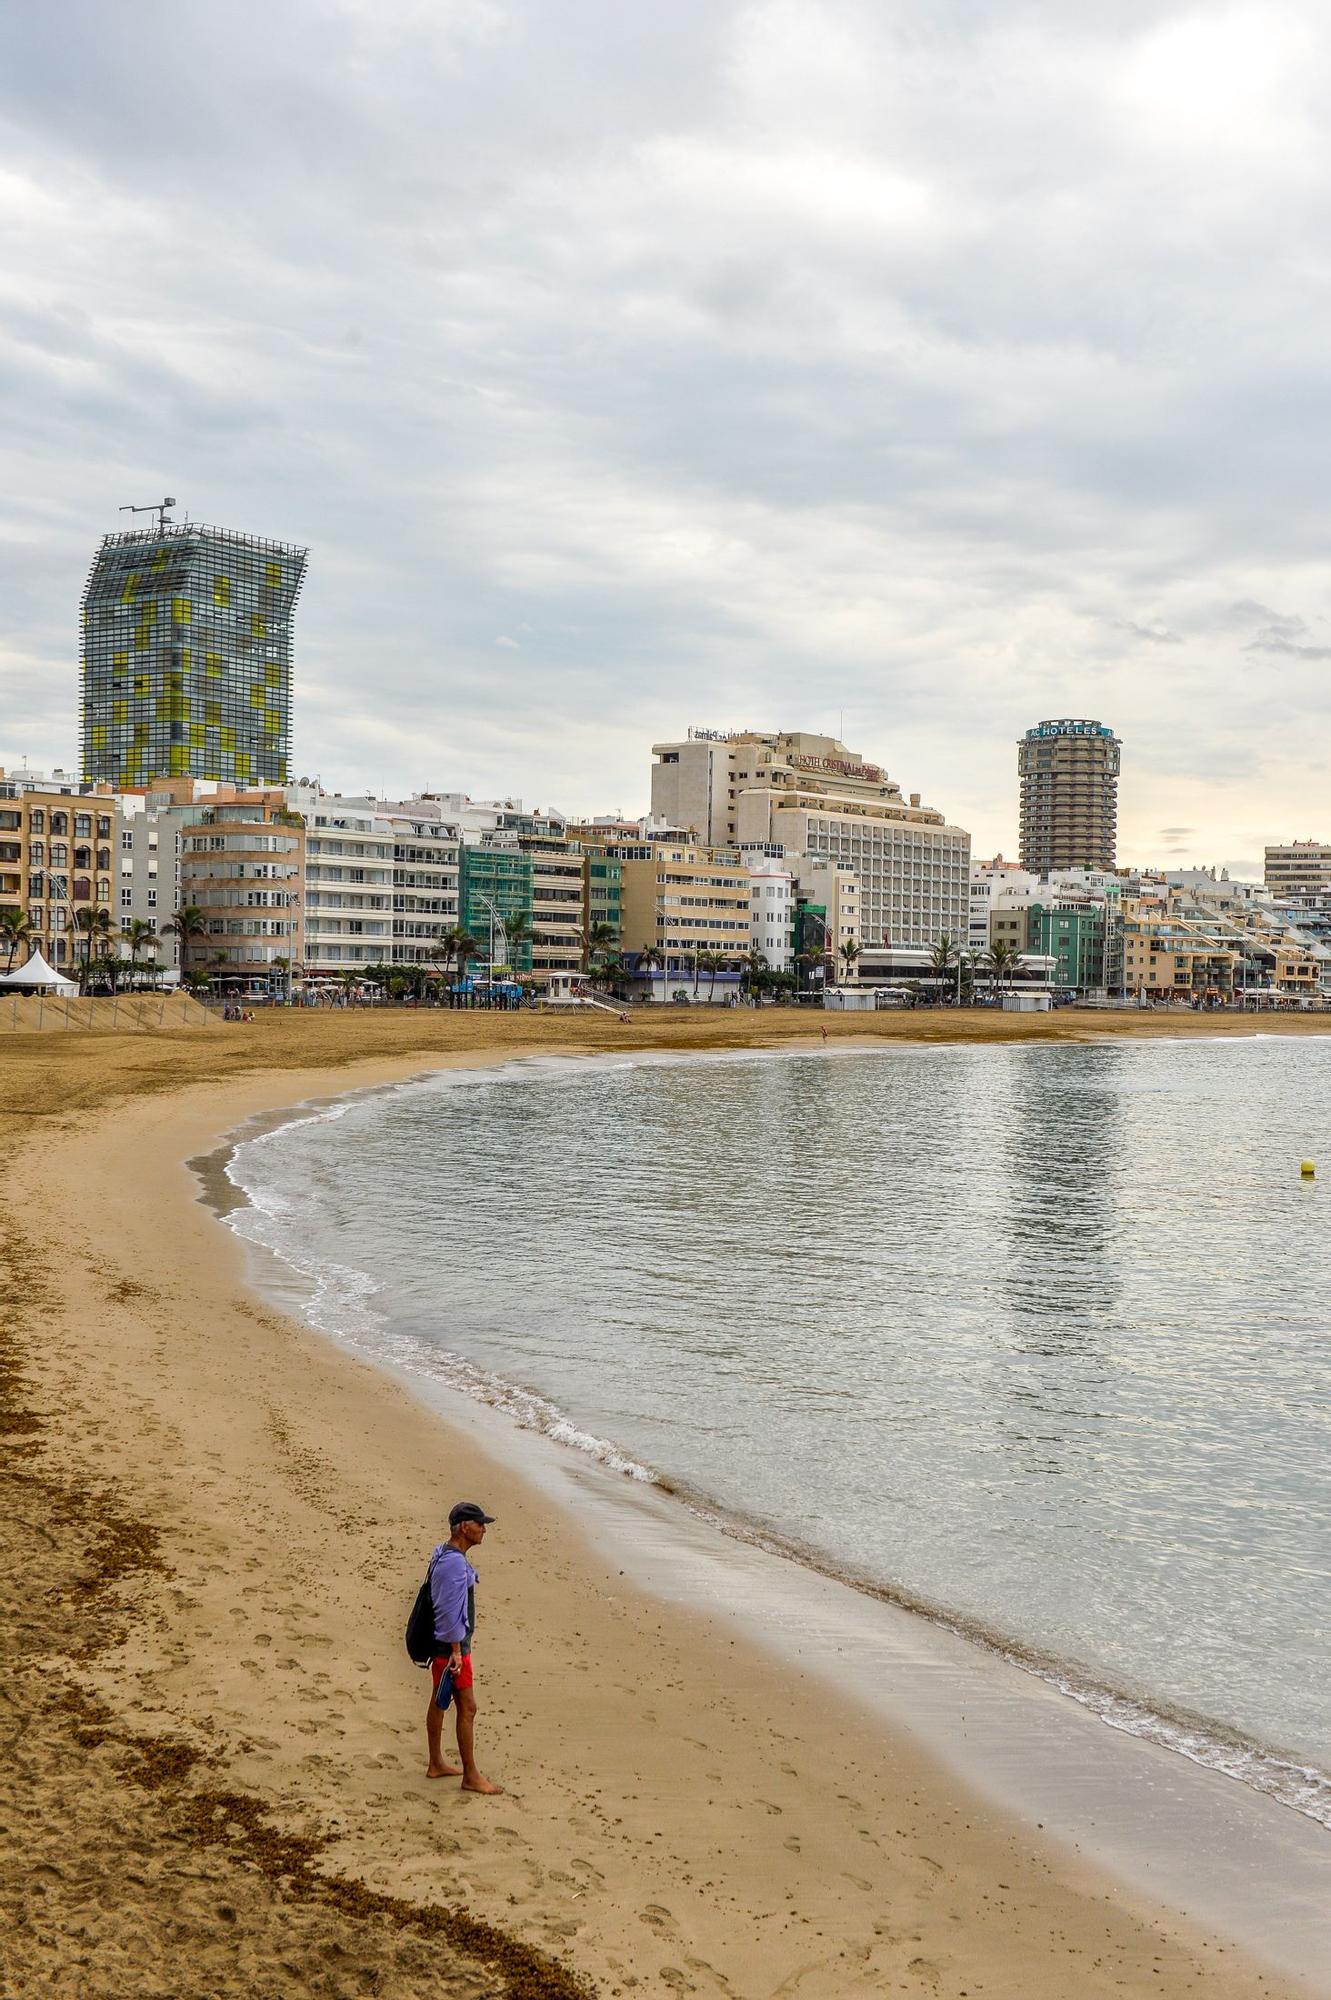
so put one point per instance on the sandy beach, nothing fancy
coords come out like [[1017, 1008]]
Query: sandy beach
[[213, 1524]]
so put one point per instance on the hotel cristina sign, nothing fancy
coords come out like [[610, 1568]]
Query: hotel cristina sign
[[843, 766]]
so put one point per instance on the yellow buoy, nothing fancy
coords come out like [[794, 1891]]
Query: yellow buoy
[[1308, 1169]]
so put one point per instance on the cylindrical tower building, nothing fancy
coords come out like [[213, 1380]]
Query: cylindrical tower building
[[1069, 795]]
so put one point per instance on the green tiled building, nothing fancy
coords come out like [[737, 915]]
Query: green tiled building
[[185, 657], [495, 884], [1075, 939]]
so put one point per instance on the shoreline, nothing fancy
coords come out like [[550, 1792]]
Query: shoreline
[[260, 1450], [1263, 1768]]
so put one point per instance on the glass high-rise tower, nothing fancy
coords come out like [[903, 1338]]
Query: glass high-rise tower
[[185, 656]]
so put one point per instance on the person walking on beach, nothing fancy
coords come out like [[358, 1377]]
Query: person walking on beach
[[453, 1594]]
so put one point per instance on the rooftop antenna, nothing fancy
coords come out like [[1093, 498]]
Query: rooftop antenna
[[157, 507]]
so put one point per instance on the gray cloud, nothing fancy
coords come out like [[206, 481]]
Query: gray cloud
[[755, 360], [1154, 635]]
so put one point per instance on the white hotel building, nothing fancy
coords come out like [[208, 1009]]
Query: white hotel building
[[812, 796]]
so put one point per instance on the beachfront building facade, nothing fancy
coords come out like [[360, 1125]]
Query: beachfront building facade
[[519, 863], [185, 656], [242, 865], [996, 885], [152, 825], [826, 920], [603, 909], [1069, 773], [1300, 868], [426, 867], [810, 795], [772, 910], [686, 908], [57, 860], [495, 887], [347, 896], [1216, 942], [1071, 934], [558, 899]]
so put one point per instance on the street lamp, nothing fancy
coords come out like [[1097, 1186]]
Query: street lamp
[[495, 921]]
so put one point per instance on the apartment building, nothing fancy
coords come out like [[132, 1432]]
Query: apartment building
[[57, 858], [1301, 868], [681, 900], [995, 885], [1212, 942], [810, 795], [242, 864], [348, 881], [426, 894], [826, 918], [152, 823], [1071, 933], [772, 909]]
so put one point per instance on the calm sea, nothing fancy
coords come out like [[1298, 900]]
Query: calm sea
[[1036, 1339]]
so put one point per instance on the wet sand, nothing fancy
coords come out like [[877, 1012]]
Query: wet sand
[[234, 1515]]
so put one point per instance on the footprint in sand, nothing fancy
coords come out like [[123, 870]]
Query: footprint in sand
[[659, 1918]]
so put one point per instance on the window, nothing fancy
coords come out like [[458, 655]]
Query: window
[[126, 899], [152, 899], [37, 820], [83, 826], [59, 852]]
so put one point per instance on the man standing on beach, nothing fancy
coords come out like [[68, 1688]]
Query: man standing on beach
[[453, 1594]]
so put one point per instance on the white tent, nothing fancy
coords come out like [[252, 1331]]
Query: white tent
[[36, 973]]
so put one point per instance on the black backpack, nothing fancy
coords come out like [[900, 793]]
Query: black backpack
[[421, 1646]]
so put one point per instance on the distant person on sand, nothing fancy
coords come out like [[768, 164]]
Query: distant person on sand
[[453, 1593]]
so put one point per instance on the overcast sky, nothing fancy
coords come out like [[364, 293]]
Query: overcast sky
[[946, 364]]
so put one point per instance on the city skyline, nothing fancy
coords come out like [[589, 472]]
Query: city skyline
[[725, 380]]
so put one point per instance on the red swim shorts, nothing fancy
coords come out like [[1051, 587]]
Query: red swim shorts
[[461, 1679]]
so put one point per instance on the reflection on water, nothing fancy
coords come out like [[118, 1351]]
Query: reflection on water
[[1037, 1335]]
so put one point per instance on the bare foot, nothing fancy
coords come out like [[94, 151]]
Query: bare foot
[[444, 1771], [480, 1784]]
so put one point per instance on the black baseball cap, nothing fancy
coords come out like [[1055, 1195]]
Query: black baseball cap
[[467, 1510]]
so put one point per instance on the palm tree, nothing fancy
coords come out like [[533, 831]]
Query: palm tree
[[599, 939], [95, 925], [753, 971], [850, 951], [943, 958], [1001, 961], [517, 929], [711, 963], [464, 947], [190, 927], [647, 961], [445, 943], [15, 929], [139, 937], [612, 965]]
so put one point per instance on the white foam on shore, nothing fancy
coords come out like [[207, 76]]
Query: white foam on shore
[[339, 1300]]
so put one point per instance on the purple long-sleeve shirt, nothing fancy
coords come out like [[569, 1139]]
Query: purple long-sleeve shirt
[[452, 1582]]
